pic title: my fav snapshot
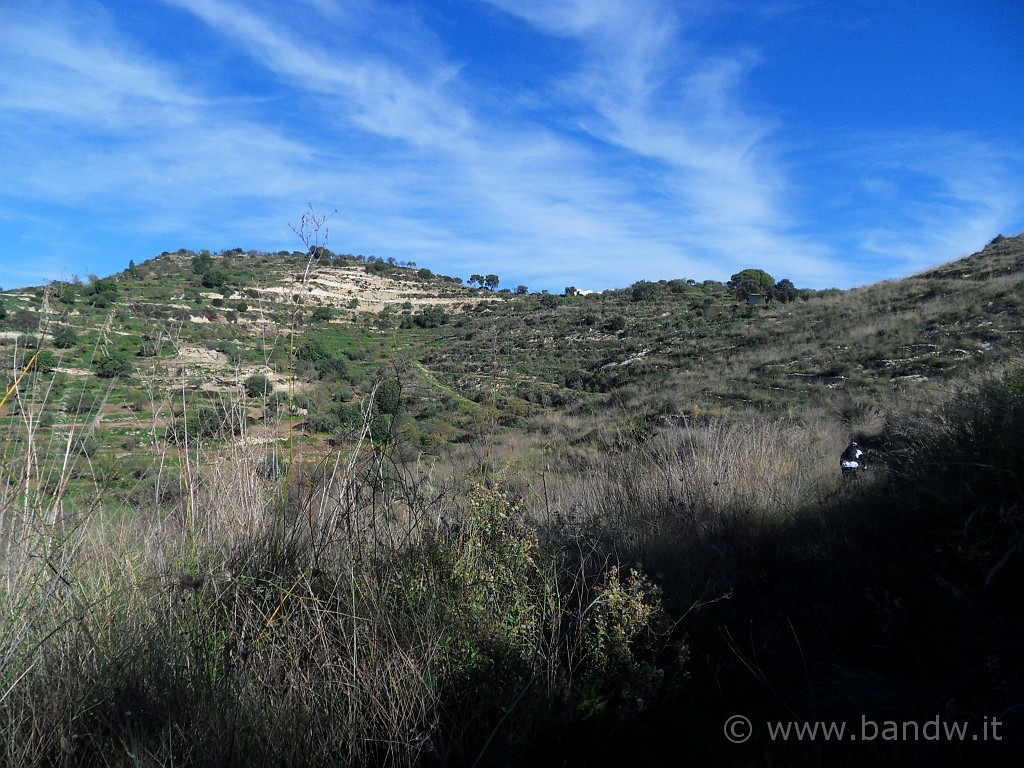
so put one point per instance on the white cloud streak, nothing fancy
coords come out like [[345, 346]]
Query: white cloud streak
[[640, 157]]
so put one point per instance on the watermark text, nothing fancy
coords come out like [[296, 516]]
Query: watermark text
[[739, 729]]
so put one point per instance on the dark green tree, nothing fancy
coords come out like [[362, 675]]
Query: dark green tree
[[114, 366], [215, 278], [65, 337], [25, 321], [389, 397], [643, 290], [258, 385], [46, 362], [749, 281], [785, 290], [103, 285], [313, 350], [202, 263], [492, 281], [431, 317]]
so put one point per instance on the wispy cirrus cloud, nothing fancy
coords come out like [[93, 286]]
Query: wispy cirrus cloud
[[635, 149], [645, 87], [909, 195]]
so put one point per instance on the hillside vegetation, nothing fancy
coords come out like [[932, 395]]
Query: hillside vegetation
[[315, 509]]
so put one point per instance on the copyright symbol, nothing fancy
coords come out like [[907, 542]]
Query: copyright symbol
[[738, 729]]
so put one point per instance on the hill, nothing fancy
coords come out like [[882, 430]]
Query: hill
[[256, 509], [189, 330]]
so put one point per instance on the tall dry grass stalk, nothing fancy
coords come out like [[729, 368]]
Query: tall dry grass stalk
[[280, 612]]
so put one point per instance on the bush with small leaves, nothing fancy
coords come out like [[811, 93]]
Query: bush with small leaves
[[258, 385], [312, 350], [389, 397], [65, 337], [114, 366], [46, 362]]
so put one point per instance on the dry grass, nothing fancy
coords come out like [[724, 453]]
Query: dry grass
[[523, 601]]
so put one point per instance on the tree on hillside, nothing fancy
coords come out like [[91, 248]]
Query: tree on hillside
[[522, 290], [114, 366], [478, 279], [65, 337], [25, 321], [388, 398], [215, 278], [312, 350], [784, 291], [749, 281], [103, 285], [202, 263], [258, 385], [46, 362], [644, 290], [491, 281]]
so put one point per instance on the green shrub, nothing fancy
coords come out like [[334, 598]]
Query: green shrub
[[312, 349], [65, 337], [388, 398], [332, 369], [114, 365], [258, 385], [46, 362]]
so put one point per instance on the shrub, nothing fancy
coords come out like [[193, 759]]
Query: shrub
[[25, 321], [258, 385], [750, 281], [65, 337], [215, 278], [215, 422], [388, 399], [46, 362], [615, 324], [114, 366], [644, 291], [332, 369], [312, 349], [431, 317]]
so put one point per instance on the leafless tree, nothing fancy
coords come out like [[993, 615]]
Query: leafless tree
[[313, 232]]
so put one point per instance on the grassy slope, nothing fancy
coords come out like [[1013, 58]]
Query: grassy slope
[[682, 350], [438, 628]]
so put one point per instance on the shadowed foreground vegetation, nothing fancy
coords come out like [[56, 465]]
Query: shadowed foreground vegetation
[[365, 610]]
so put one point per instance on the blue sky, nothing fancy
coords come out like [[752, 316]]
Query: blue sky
[[591, 143]]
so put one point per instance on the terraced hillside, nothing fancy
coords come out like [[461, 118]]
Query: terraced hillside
[[282, 348]]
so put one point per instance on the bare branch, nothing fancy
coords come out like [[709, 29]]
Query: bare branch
[[313, 233]]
